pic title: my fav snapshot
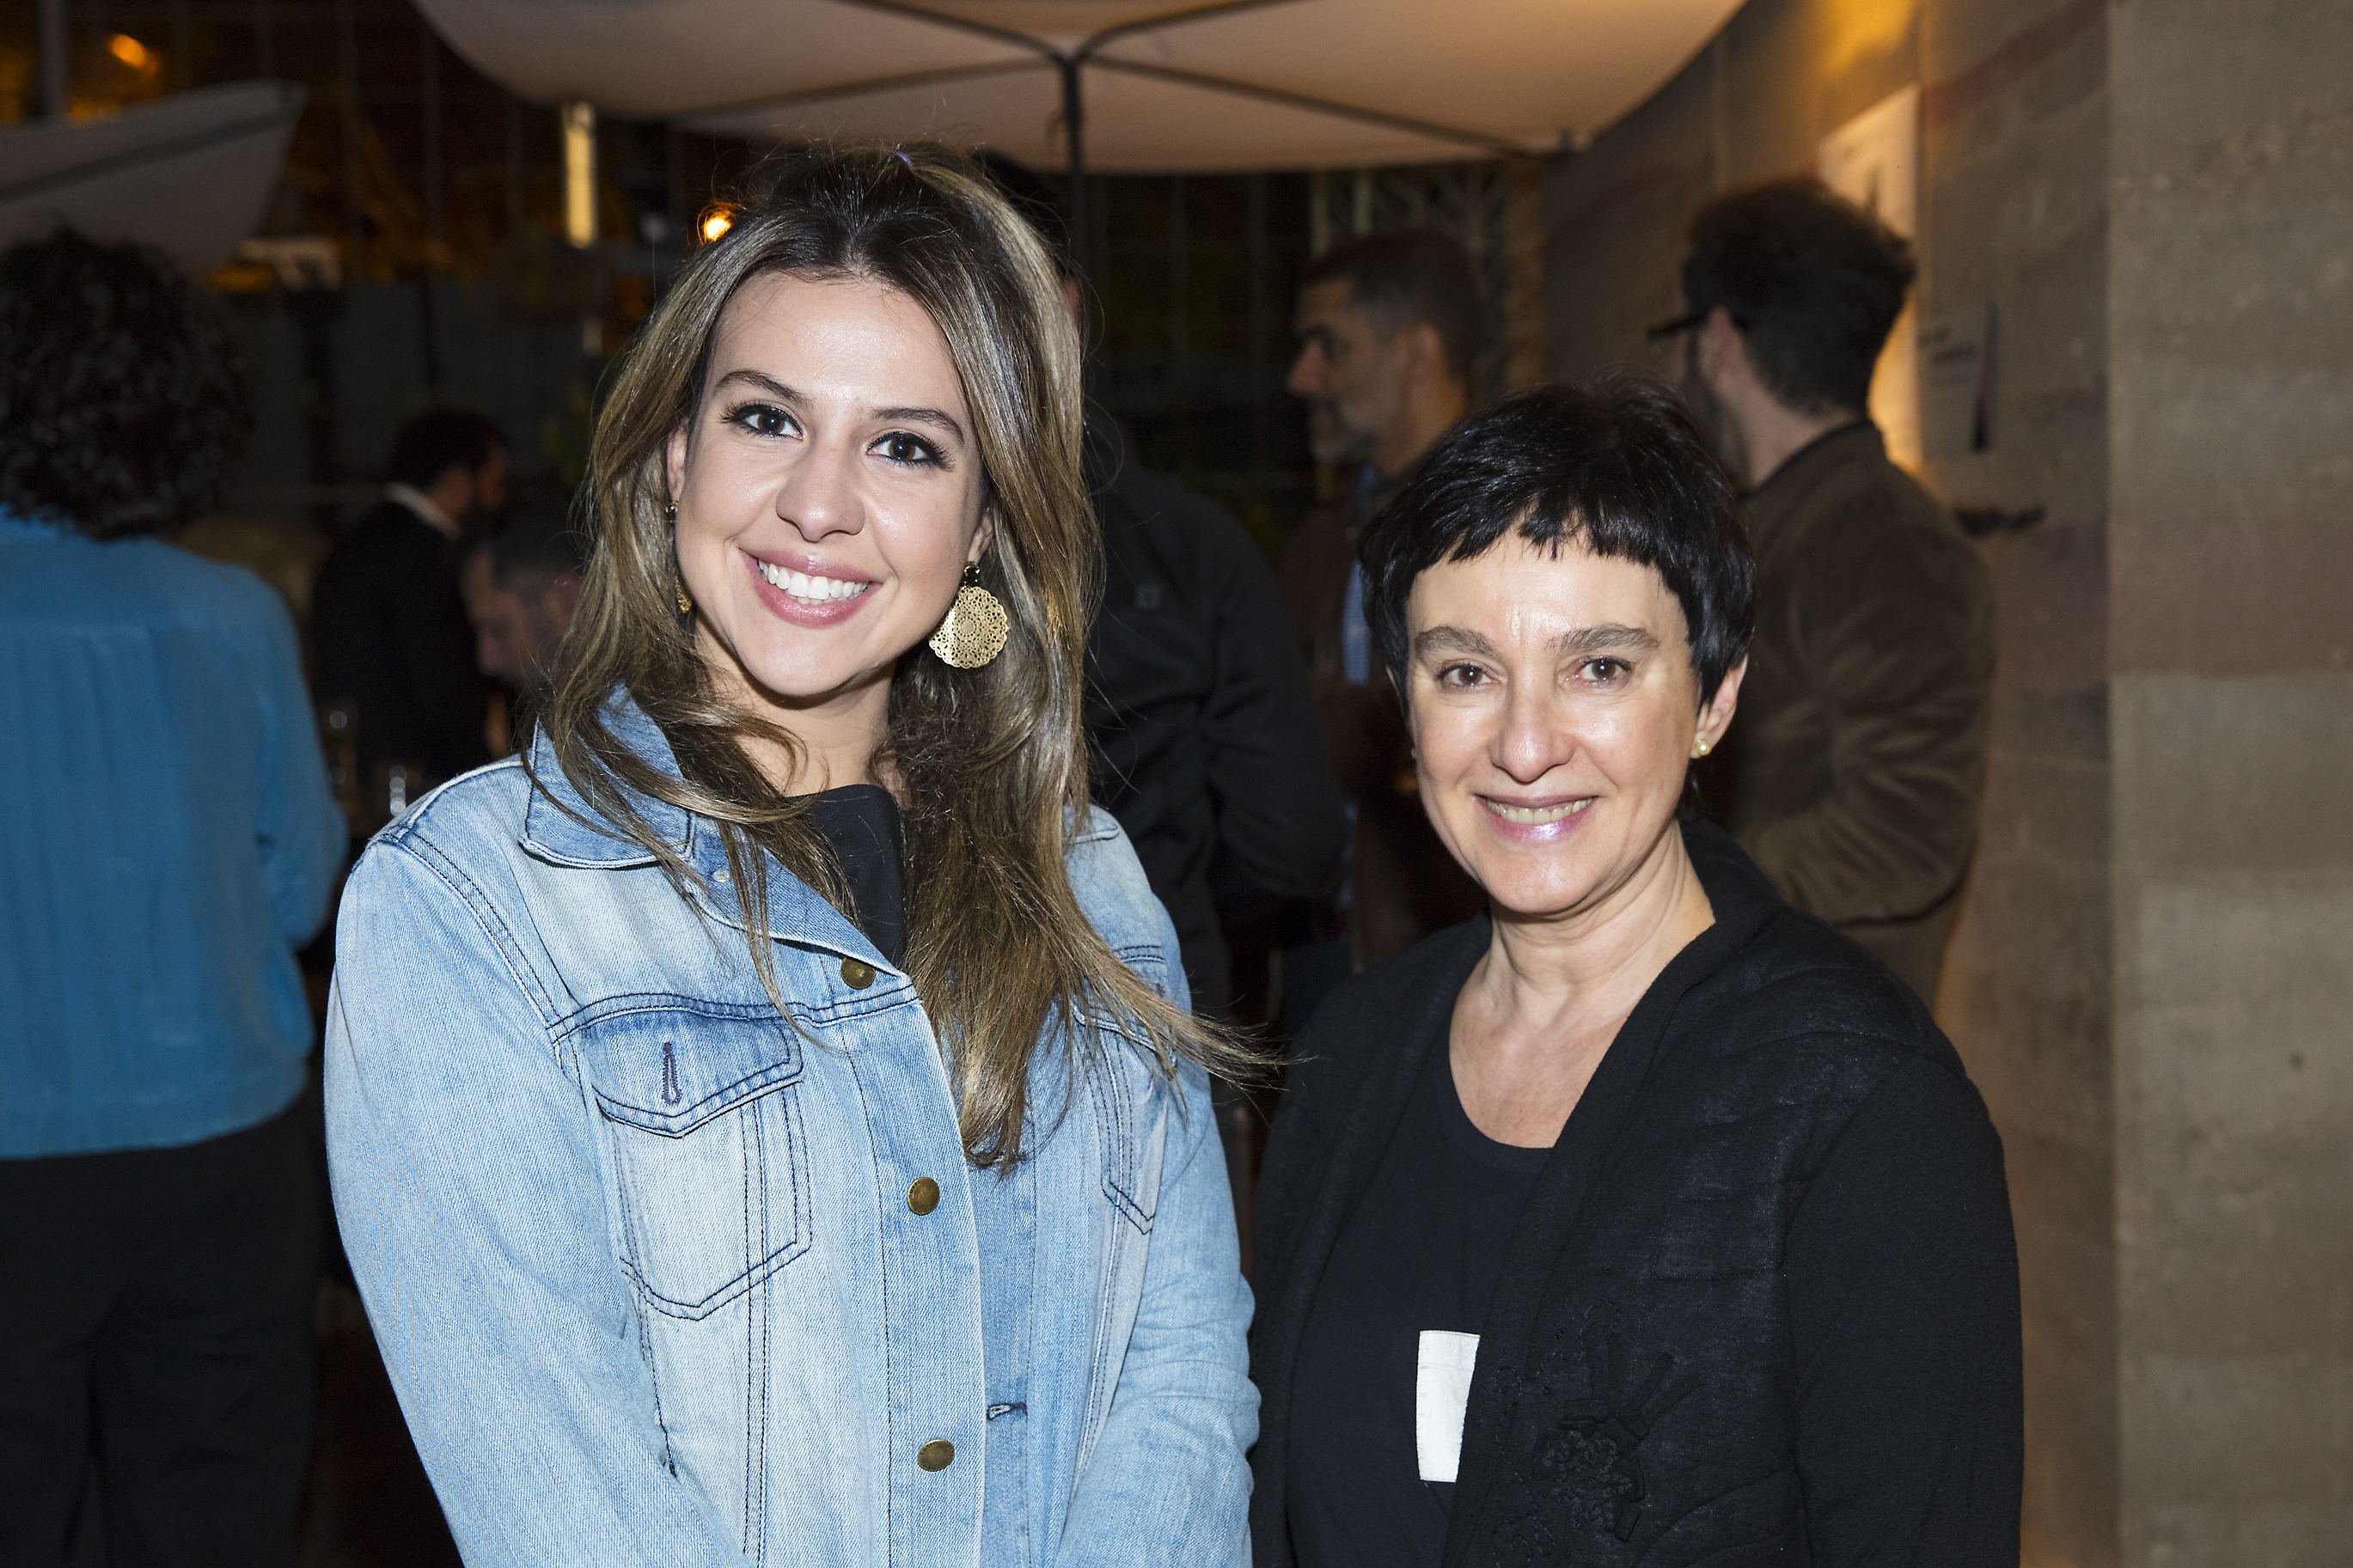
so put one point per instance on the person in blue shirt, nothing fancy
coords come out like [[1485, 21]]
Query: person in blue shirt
[[167, 838]]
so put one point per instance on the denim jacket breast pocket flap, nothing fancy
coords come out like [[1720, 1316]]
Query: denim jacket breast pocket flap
[[671, 1066], [709, 1158]]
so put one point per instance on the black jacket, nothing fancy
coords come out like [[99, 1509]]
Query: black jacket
[[1762, 1305], [388, 633], [1203, 734]]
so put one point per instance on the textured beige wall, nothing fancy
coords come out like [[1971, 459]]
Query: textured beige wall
[[2231, 318], [2015, 156]]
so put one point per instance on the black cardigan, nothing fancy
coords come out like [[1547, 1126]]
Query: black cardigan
[[1762, 1302]]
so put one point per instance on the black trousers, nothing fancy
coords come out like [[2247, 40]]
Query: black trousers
[[155, 1320]]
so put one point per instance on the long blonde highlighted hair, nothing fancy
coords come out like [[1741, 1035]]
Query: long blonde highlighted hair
[[991, 762]]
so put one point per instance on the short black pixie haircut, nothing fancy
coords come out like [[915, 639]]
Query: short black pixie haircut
[[439, 440], [1405, 279], [1813, 283], [1616, 467], [123, 400]]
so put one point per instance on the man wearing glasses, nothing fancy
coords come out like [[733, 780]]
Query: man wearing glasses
[[1853, 773]]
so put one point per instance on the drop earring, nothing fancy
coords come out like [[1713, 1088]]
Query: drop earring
[[973, 631], [677, 578]]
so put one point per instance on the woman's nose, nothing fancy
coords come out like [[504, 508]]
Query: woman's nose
[[819, 493], [1535, 737]]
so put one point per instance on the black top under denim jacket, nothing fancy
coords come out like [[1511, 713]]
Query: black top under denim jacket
[[1762, 1304]]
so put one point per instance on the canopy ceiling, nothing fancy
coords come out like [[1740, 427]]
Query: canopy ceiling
[[1167, 86]]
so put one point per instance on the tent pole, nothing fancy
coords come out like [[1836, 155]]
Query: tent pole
[[55, 72], [1074, 133]]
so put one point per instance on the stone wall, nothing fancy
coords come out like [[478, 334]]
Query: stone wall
[[2149, 978], [2231, 522]]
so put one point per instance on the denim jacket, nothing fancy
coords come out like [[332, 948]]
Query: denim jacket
[[662, 1277]]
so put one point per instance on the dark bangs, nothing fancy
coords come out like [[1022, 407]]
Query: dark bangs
[[1616, 467]]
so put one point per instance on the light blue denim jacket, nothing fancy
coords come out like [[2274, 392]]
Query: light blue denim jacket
[[641, 1256]]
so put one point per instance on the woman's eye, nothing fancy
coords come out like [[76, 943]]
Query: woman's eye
[[900, 448], [762, 419], [1605, 671], [1461, 677]]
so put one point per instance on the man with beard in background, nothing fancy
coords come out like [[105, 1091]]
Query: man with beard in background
[[1387, 328], [1853, 773]]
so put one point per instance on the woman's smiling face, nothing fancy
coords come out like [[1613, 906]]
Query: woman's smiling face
[[828, 491], [1555, 708]]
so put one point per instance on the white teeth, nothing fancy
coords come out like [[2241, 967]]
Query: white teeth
[[1537, 814], [811, 590]]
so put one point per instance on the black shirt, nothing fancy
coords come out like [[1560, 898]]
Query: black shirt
[[389, 634], [1763, 1296], [1421, 1251], [1204, 739], [862, 824]]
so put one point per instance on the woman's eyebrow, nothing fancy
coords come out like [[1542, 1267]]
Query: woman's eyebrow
[[761, 379], [1605, 639], [931, 417], [1449, 639]]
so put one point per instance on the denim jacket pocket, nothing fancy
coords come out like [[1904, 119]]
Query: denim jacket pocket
[[709, 1154]]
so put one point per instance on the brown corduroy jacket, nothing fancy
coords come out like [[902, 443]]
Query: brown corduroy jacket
[[1853, 771]]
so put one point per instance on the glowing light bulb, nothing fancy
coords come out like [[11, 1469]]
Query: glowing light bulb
[[131, 52], [715, 224]]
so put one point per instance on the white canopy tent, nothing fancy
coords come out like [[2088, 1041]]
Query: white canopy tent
[[191, 172], [1111, 86]]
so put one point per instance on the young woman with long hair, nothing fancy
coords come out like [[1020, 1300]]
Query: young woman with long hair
[[765, 1118]]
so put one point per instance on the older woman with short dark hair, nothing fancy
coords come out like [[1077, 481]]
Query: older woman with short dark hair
[[1643, 1218]]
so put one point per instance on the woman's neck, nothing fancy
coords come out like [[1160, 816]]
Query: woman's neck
[[837, 736], [1539, 1012], [1568, 962]]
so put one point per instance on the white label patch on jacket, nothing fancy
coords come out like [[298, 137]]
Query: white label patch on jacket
[[1442, 1388]]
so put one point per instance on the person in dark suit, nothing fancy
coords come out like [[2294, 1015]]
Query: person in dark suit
[[1644, 1218], [1204, 737], [1387, 326], [389, 632]]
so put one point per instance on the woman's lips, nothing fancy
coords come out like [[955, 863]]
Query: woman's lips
[[1539, 820], [807, 598]]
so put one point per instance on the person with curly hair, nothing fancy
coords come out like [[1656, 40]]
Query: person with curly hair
[[167, 839]]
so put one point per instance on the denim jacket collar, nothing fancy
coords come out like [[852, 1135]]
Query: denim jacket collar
[[562, 828]]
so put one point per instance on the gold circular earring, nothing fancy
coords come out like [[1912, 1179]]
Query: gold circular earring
[[973, 631], [1701, 748]]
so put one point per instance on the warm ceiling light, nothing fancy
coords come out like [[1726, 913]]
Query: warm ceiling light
[[716, 224], [131, 52]]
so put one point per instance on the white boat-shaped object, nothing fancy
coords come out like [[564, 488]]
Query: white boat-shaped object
[[191, 172]]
